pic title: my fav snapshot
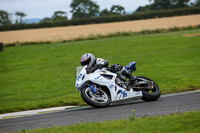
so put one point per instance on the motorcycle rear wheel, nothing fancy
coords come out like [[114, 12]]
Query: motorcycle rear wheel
[[95, 100], [150, 95]]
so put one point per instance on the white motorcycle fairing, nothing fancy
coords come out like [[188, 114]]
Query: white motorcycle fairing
[[106, 78]]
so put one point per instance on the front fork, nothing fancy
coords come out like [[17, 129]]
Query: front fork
[[93, 87]]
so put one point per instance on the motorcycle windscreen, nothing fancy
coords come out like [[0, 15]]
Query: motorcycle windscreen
[[78, 70]]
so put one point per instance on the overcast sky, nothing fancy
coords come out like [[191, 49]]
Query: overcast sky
[[46, 8]]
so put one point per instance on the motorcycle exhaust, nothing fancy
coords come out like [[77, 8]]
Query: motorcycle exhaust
[[149, 87]]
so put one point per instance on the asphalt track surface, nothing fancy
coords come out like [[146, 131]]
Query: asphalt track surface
[[164, 106]]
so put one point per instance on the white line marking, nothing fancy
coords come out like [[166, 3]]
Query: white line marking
[[32, 112], [179, 93]]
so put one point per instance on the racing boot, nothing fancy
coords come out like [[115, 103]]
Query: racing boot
[[122, 84], [133, 83], [119, 82], [127, 86]]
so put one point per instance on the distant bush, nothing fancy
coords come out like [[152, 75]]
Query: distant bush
[[106, 19]]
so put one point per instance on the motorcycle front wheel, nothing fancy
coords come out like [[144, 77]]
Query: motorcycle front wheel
[[97, 100], [150, 94]]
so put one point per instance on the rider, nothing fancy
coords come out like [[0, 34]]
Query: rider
[[122, 74], [94, 64]]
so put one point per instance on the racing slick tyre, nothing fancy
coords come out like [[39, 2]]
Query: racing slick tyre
[[97, 100], [150, 94]]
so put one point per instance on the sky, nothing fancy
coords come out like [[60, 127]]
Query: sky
[[46, 8]]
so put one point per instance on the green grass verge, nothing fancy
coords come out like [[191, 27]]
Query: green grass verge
[[40, 76], [177, 123]]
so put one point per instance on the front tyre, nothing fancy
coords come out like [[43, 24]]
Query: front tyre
[[97, 100], [152, 94]]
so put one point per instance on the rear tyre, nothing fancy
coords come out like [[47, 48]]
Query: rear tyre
[[97, 100], [150, 95]]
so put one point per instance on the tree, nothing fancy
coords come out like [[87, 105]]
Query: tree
[[105, 12], [114, 10], [4, 18], [47, 19], [156, 5], [164, 5], [161, 4], [144, 8], [84, 9], [196, 3], [20, 16], [59, 16], [117, 9], [180, 3]]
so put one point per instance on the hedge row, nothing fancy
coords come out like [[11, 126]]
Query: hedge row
[[107, 19]]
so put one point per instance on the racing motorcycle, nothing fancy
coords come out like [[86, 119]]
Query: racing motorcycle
[[99, 89]]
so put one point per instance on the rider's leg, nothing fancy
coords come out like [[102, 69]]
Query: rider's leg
[[122, 84], [132, 79]]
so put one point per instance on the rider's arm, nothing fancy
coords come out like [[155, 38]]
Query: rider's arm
[[100, 63]]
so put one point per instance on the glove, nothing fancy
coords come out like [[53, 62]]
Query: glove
[[92, 69]]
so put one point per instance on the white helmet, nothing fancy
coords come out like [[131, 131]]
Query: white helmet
[[87, 59]]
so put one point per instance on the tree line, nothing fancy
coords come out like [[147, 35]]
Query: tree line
[[168, 4], [85, 9], [5, 17], [82, 10]]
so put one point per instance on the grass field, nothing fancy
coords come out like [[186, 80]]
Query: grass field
[[39, 76], [177, 123]]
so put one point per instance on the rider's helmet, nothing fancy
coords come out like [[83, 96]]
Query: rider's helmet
[[87, 59]]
